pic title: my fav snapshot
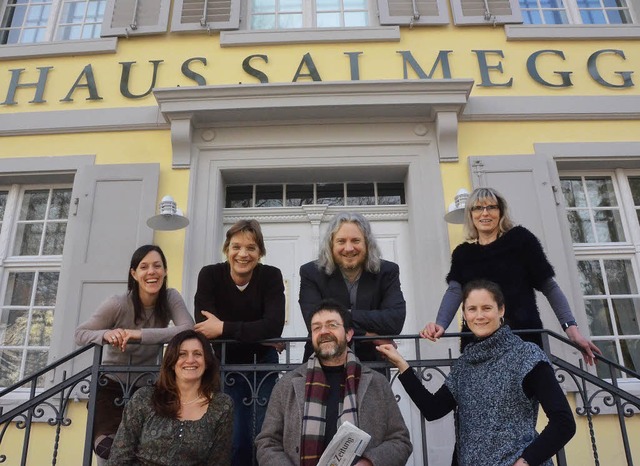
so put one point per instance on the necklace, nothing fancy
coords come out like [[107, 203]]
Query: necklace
[[192, 401]]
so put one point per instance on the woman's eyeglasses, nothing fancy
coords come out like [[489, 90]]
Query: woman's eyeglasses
[[488, 208]]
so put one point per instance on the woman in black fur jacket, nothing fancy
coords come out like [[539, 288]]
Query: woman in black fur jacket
[[512, 257]]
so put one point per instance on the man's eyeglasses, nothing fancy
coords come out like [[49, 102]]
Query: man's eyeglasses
[[488, 208], [329, 326]]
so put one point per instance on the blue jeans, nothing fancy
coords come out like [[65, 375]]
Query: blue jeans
[[249, 406]]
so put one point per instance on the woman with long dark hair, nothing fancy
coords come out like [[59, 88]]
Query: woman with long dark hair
[[143, 315], [184, 419]]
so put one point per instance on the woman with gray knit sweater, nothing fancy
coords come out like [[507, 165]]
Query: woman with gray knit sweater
[[496, 387], [142, 315]]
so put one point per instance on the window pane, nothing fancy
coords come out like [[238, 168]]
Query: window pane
[[360, 194], [631, 354], [289, 21], [14, 326], [356, 19], [239, 196], [608, 226], [573, 193], [3, 205], [608, 349], [330, 194], [41, 327], [299, 194], [269, 196], [620, 277], [36, 360], [634, 186], [592, 17], [10, 364], [34, 205], [290, 5], [531, 17], [355, 5], [28, 239], [580, 226], [263, 6], [600, 191], [263, 22], [73, 12], [324, 5], [619, 17], [69, 32], [626, 313], [47, 289], [591, 280], [598, 317], [328, 20], [391, 193], [555, 17], [60, 201], [19, 287]]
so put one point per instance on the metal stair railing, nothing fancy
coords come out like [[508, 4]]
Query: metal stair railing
[[51, 404]]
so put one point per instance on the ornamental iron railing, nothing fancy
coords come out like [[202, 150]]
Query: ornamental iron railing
[[25, 405]]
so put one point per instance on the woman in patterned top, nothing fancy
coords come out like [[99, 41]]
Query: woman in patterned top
[[495, 388], [184, 419]]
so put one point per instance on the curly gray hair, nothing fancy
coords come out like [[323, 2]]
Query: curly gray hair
[[325, 260]]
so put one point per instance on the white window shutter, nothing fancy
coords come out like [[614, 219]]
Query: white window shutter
[[413, 12], [527, 183], [489, 12], [135, 17], [110, 206], [205, 15]]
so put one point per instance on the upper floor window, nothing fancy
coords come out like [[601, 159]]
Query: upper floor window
[[33, 228], [576, 12], [295, 14], [34, 21]]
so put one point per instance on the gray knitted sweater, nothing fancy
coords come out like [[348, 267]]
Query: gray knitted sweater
[[495, 419]]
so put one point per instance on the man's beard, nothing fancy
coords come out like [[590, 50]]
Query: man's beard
[[327, 352]]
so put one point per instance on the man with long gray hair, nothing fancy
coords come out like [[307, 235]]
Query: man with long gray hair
[[350, 270]]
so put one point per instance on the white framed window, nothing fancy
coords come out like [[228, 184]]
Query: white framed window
[[603, 212], [603, 12], [331, 194], [36, 21], [298, 14], [34, 222]]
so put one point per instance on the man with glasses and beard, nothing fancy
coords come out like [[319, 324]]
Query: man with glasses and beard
[[309, 403]]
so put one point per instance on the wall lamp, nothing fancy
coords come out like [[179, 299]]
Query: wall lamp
[[170, 217], [455, 214]]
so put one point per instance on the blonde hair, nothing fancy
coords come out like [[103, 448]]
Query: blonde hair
[[478, 196]]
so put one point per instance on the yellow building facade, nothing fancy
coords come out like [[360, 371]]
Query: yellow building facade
[[289, 112]]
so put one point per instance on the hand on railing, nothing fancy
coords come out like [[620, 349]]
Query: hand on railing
[[432, 331], [211, 328], [586, 346], [119, 337]]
